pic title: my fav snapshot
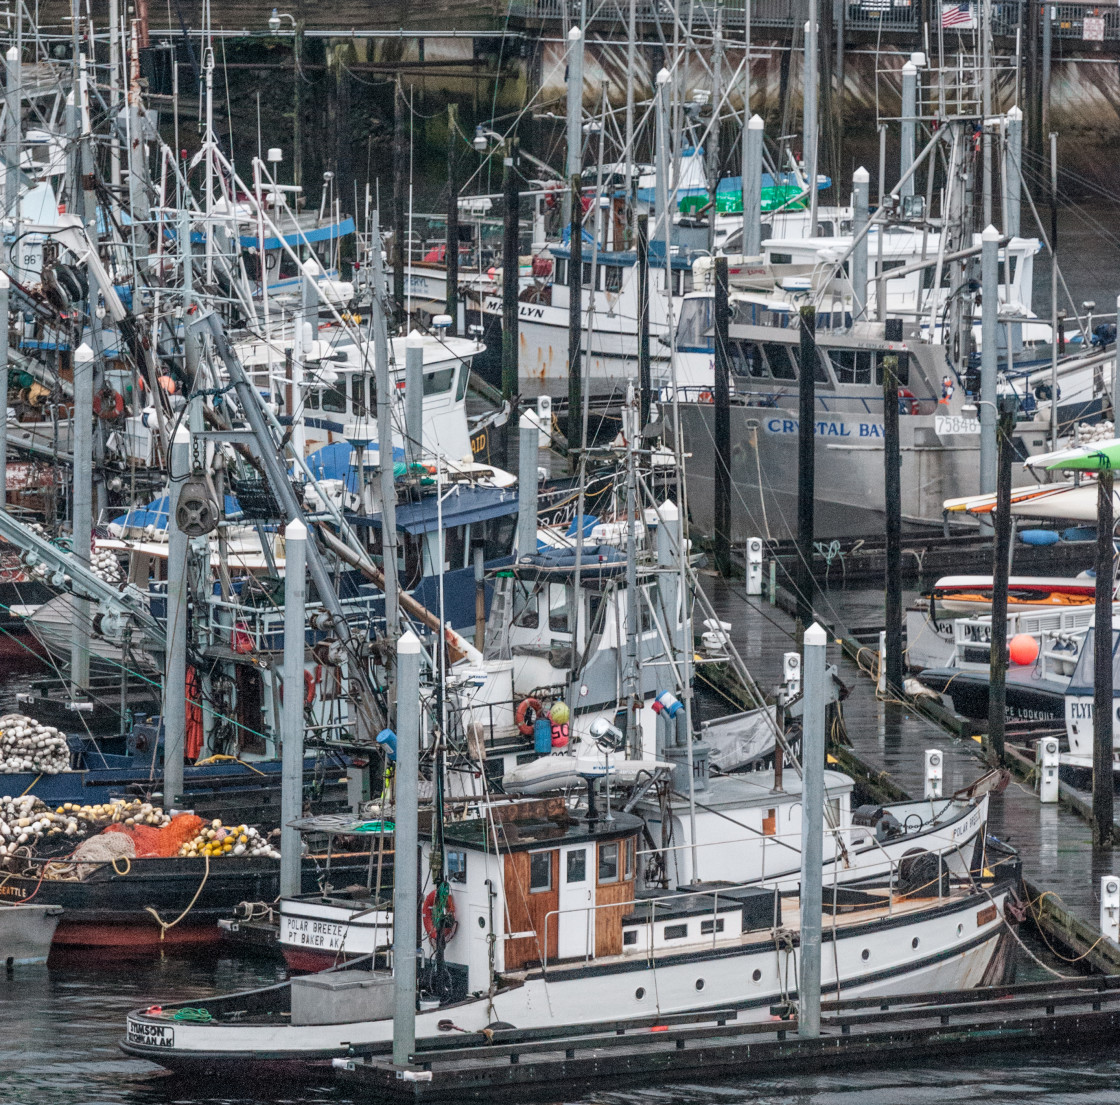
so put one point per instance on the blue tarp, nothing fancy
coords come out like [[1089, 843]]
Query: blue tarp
[[155, 514], [322, 234], [335, 462]]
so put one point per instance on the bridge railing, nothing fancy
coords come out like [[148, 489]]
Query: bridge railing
[[890, 17]]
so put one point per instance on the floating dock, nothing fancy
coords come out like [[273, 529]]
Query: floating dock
[[1063, 1014]]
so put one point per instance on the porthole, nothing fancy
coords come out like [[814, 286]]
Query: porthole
[[640, 993], [482, 922], [914, 943], [699, 984], [960, 930], [756, 976], [865, 954]]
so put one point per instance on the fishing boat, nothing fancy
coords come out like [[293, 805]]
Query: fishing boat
[[547, 919]]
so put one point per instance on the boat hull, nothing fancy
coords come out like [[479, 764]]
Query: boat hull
[[26, 932], [951, 944], [123, 905]]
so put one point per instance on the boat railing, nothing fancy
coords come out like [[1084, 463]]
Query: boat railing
[[261, 628], [888, 900], [1058, 633]]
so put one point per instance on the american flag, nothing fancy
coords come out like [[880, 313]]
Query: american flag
[[957, 15]]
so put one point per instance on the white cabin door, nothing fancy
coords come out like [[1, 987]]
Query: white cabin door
[[478, 961], [576, 935]]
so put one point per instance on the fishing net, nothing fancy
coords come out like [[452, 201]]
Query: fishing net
[[152, 842]]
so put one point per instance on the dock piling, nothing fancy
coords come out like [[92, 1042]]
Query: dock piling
[[909, 126], [406, 844], [527, 489], [1102, 665], [510, 280], [5, 288], [83, 507], [400, 168], [175, 682], [451, 250], [806, 461], [722, 411], [413, 400], [812, 832], [892, 492], [574, 110], [752, 187], [291, 748], [989, 367], [1001, 566], [575, 327], [12, 96], [861, 199]]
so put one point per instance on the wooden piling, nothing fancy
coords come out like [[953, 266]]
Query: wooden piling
[[451, 253], [806, 476], [892, 491], [722, 451], [510, 283], [400, 171], [997, 694], [1102, 666], [575, 329]]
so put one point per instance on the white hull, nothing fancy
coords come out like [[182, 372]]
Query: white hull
[[923, 946], [26, 932]]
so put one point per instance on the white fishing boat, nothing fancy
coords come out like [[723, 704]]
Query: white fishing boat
[[548, 922]]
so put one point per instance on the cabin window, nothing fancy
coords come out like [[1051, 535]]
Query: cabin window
[[525, 606], [695, 328], [781, 258], [540, 872], [559, 608], [612, 278], [358, 392], [457, 866], [746, 360], [438, 382], [334, 399], [852, 366], [928, 274], [770, 823], [888, 266], [498, 536], [629, 938], [608, 863], [628, 851], [902, 371], [454, 547], [834, 810], [709, 927], [288, 267], [312, 399], [1002, 271], [586, 274], [577, 865], [820, 373], [781, 366], [464, 379], [676, 932], [825, 230], [682, 281], [561, 270]]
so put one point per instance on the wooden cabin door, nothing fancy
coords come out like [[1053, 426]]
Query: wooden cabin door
[[577, 901]]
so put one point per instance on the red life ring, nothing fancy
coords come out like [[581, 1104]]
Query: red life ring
[[705, 397], [524, 722], [108, 404], [903, 395], [309, 682], [450, 925]]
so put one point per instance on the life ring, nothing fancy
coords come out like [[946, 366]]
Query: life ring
[[448, 923], [905, 394], [524, 721], [108, 404], [705, 397], [309, 682]]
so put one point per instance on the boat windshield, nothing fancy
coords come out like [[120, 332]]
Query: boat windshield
[[694, 330], [1081, 682]]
